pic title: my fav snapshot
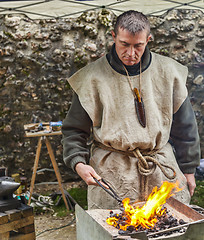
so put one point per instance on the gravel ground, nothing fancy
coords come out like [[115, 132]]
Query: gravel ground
[[46, 221]]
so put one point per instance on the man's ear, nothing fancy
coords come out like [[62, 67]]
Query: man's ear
[[149, 38], [113, 35]]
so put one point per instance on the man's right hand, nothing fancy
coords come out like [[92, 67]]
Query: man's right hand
[[87, 173]]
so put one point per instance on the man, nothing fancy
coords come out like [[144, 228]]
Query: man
[[132, 102]]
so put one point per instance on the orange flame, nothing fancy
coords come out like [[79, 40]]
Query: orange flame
[[145, 216]]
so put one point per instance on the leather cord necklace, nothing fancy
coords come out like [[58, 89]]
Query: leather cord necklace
[[139, 105]]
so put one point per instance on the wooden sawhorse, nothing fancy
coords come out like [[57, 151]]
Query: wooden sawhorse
[[43, 135]]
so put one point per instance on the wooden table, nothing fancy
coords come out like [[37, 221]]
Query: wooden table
[[17, 224], [44, 135]]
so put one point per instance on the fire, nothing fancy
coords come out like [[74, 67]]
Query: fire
[[145, 216]]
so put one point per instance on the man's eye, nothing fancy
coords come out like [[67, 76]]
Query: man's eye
[[139, 46]]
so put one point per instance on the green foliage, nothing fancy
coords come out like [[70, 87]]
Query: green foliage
[[198, 198], [40, 210], [60, 210], [80, 196]]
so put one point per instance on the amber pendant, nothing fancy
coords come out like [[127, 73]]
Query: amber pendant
[[139, 107]]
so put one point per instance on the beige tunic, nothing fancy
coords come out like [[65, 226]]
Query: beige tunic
[[107, 98]]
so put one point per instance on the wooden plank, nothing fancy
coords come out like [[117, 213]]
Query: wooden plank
[[3, 218], [27, 229], [26, 211], [37, 156], [4, 236], [42, 133], [29, 236], [57, 172], [16, 224], [29, 125], [13, 214]]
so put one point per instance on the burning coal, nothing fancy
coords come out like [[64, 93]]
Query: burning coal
[[145, 217]]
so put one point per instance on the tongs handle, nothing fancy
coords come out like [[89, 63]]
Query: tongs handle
[[111, 192]]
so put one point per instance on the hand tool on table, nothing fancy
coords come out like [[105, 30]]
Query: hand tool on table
[[110, 191]]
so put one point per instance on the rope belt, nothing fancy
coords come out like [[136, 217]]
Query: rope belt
[[144, 168]]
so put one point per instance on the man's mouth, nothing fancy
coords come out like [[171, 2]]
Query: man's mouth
[[130, 59]]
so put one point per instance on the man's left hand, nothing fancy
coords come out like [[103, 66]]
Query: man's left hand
[[191, 182]]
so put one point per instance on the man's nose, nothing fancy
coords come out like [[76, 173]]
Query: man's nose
[[131, 51]]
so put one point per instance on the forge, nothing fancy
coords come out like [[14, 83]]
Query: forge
[[91, 225]]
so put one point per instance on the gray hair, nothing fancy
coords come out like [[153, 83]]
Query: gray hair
[[133, 22]]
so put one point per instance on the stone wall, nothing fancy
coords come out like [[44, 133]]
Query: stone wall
[[38, 56]]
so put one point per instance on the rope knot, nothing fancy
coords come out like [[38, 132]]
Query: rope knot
[[146, 167]]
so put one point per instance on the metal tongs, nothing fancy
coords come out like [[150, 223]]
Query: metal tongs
[[110, 191]]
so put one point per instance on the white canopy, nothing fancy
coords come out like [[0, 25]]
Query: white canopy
[[38, 9]]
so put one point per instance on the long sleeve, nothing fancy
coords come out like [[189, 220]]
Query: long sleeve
[[185, 138], [76, 130]]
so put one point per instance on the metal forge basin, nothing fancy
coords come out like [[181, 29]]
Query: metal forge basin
[[91, 224]]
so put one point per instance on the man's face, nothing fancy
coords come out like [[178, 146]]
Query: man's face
[[130, 47]]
